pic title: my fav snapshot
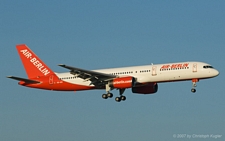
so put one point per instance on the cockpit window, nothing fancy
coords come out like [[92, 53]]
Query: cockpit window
[[207, 67]]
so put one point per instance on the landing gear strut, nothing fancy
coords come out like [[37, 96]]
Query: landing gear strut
[[194, 85], [108, 94]]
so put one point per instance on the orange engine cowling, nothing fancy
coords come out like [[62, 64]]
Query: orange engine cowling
[[149, 88], [122, 82]]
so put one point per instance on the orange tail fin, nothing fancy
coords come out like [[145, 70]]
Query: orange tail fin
[[32, 63]]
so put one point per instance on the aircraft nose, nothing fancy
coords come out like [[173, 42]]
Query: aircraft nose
[[216, 72]]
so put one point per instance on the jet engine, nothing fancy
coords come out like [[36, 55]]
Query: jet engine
[[122, 82], [149, 88]]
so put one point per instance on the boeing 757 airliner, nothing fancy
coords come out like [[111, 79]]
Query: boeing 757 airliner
[[141, 79]]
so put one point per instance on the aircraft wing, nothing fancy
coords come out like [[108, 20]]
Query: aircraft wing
[[96, 78]]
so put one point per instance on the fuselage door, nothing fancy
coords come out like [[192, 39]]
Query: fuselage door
[[51, 81], [194, 67], [154, 70]]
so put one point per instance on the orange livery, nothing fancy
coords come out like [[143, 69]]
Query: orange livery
[[140, 79]]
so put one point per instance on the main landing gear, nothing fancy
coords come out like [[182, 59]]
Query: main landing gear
[[193, 90], [123, 98], [110, 95]]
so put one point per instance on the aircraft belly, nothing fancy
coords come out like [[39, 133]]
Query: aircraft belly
[[174, 76], [80, 82]]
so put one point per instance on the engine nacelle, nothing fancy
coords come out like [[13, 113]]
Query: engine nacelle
[[122, 82], [149, 88]]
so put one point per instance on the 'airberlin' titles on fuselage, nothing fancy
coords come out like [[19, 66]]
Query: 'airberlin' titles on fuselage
[[175, 66], [122, 81], [35, 62]]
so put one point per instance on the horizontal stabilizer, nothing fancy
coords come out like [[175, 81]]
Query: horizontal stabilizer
[[24, 79]]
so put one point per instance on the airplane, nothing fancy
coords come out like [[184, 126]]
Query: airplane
[[141, 79]]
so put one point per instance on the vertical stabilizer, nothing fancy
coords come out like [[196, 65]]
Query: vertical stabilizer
[[33, 65]]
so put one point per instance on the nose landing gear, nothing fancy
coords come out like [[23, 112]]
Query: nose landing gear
[[193, 90]]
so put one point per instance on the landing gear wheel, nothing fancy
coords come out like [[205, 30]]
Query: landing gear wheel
[[123, 98], [118, 99], [110, 95], [104, 96], [193, 90]]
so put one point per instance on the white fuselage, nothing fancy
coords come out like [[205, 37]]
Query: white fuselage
[[180, 71]]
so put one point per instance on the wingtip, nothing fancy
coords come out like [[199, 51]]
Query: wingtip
[[61, 65]]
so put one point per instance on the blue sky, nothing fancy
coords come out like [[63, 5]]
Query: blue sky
[[105, 34]]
